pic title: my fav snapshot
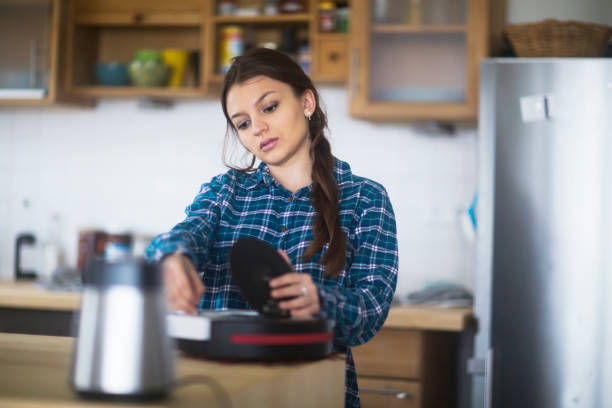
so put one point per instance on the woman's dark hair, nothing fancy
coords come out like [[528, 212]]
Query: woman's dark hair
[[325, 195]]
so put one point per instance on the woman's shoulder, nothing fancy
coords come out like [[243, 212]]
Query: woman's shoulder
[[352, 185], [230, 181]]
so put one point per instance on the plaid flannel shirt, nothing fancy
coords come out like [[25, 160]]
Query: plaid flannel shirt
[[236, 204]]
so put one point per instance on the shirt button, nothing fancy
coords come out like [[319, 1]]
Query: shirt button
[[290, 198], [283, 229]]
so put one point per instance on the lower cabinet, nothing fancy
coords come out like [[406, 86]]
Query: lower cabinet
[[408, 368], [389, 393]]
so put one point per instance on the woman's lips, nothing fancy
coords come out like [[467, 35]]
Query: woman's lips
[[268, 144]]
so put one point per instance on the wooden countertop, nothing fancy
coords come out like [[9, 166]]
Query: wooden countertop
[[34, 372], [429, 318], [26, 295]]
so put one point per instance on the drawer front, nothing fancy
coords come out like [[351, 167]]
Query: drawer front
[[392, 353], [333, 59], [375, 393]]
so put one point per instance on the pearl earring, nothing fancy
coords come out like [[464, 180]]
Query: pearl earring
[[308, 115]]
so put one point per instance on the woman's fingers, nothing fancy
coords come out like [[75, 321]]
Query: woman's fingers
[[285, 256], [304, 293], [182, 282]]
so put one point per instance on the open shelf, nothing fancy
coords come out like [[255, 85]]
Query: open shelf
[[420, 28], [131, 91], [119, 19], [279, 18]]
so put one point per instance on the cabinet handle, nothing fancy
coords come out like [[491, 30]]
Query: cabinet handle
[[397, 393], [354, 74], [138, 17]]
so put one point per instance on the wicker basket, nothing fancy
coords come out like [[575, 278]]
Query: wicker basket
[[552, 38]]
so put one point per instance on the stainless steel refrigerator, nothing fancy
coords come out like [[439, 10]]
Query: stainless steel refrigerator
[[543, 296]]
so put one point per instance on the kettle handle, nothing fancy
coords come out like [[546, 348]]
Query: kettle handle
[[23, 239]]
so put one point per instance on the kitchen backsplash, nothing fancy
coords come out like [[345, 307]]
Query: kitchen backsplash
[[123, 167]]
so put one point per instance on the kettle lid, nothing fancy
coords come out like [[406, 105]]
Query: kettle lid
[[136, 272]]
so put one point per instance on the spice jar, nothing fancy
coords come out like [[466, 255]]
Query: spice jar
[[232, 45], [327, 16]]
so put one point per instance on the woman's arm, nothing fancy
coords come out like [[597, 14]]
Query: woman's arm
[[186, 247], [360, 307], [193, 236]]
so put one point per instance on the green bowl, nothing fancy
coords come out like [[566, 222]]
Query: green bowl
[[149, 73]]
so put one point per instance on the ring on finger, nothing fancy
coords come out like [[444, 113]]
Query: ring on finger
[[304, 290]]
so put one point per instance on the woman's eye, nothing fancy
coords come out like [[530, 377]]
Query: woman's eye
[[271, 108], [243, 125]]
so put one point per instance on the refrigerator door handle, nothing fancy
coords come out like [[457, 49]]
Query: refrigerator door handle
[[483, 367]]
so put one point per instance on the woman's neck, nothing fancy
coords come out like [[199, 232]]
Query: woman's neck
[[294, 174]]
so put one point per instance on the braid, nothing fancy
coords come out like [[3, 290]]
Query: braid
[[325, 200]]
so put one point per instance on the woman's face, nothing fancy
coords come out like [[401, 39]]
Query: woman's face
[[271, 121]]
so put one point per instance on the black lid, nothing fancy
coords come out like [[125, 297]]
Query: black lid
[[254, 263], [135, 272]]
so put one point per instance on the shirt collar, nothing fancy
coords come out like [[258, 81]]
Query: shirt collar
[[342, 172]]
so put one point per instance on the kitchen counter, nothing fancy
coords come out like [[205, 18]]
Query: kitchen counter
[[34, 372], [26, 295]]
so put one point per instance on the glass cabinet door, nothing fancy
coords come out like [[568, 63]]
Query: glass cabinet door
[[25, 36], [416, 56], [426, 42]]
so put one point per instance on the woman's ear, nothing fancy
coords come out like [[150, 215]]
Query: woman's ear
[[308, 102]]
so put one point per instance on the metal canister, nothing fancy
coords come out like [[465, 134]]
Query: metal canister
[[231, 46]]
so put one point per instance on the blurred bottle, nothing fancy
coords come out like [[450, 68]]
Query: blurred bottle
[[327, 16], [52, 247], [414, 12], [232, 45]]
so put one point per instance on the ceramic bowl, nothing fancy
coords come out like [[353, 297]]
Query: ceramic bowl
[[112, 74]]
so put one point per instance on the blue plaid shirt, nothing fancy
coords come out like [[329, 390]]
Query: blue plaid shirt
[[236, 204]]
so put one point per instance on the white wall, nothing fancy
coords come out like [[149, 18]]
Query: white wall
[[121, 166], [595, 11]]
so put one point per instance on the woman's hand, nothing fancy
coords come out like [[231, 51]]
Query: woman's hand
[[183, 285], [299, 285]]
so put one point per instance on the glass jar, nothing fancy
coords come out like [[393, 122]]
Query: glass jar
[[232, 45]]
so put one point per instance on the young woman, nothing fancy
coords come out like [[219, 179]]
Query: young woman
[[335, 228]]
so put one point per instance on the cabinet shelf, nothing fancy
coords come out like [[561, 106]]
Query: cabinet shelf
[[132, 91], [280, 18], [420, 28], [331, 36], [138, 19]]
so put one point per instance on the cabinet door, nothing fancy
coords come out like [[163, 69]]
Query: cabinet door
[[28, 60], [416, 59]]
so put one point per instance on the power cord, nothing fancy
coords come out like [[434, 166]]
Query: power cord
[[221, 394]]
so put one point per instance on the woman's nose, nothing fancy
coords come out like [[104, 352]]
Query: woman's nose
[[258, 125]]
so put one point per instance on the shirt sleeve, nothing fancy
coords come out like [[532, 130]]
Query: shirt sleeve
[[193, 236], [360, 307]]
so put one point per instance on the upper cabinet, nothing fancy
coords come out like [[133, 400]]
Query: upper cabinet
[[313, 32], [153, 48], [416, 59], [30, 32], [181, 48]]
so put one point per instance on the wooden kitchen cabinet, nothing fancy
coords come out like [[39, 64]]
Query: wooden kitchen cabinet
[[112, 30], [412, 361], [326, 52], [416, 59], [30, 35]]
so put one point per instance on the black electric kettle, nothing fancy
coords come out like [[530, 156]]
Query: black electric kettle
[[25, 239]]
